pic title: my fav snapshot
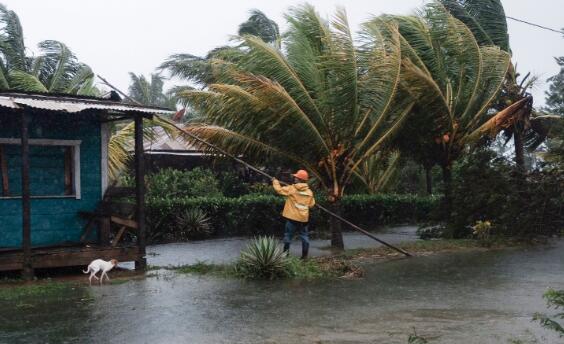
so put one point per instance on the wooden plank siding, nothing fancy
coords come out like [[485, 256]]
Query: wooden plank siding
[[53, 220]]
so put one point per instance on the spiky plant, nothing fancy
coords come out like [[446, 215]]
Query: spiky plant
[[193, 224], [321, 102], [263, 258]]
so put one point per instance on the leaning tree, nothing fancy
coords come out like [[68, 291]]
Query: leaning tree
[[54, 69], [320, 101], [454, 79], [520, 122]]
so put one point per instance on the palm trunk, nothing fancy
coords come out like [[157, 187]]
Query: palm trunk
[[447, 180], [336, 226], [519, 149], [428, 180]]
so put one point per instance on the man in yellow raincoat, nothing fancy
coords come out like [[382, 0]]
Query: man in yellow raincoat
[[299, 199]]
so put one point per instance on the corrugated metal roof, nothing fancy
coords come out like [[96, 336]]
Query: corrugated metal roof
[[161, 141], [72, 104]]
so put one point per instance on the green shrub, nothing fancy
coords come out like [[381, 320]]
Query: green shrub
[[231, 184], [487, 187], [304, 269], [263, 258], [252, 215], [554, 299], [173, 183], [261, 189]]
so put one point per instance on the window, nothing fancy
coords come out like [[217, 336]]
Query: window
[[54, 168]]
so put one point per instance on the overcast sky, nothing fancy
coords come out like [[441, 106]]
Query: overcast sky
[[119, 36]]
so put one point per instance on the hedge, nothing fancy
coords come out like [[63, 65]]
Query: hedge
[[260, 214]]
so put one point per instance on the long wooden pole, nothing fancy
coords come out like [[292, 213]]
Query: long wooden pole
[[223, 152], [27, 272]]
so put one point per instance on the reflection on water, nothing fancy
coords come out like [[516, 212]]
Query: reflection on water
[[466, 297]]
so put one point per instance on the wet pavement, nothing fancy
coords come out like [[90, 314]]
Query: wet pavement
[[464, 297]]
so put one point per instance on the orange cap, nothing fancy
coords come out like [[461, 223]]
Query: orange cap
[[302, 175]]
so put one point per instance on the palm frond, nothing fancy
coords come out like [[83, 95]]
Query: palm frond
[[261, 26], [486, 19], [23, 81]]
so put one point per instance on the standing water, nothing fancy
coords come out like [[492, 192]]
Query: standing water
[[464, 297]]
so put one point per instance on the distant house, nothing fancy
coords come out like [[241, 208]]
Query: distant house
[[55, 205], [167, 152]]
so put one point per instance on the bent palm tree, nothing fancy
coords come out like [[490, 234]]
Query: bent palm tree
[[454, 79], [150, 92], [199, 69], [319, 102], [55, 69], [261, 26], [487, 21]]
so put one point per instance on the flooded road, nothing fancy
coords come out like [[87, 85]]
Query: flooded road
[[227, 250], [465, 297]]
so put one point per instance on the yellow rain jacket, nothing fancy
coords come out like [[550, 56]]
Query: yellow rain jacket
[[299, 198]]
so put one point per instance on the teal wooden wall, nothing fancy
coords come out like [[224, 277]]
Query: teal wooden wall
[[53, 220]]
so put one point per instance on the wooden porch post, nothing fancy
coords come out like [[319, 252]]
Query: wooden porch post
[[141, 263], [27, 272]]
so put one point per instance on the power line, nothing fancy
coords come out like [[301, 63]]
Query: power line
[[536, 25]]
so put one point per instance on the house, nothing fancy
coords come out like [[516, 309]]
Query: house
[[164, 151], [55, 197]]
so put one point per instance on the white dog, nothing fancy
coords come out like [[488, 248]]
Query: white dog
[[100, 265]]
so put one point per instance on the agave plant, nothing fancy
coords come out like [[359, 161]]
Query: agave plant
[[193, 224], [263, 258]]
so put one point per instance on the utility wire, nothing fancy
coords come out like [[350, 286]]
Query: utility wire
[[222, 151], [536, 25]]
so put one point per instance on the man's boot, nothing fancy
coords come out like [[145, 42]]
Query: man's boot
[[287, 249], [305, 250]]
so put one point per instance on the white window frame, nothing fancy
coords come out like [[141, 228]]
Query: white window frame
[[49, 142]]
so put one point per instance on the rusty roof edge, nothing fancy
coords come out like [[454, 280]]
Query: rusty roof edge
[[15, 97]]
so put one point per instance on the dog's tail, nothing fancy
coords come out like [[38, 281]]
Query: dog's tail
[[87, 270]]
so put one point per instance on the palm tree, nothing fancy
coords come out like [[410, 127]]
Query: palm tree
[[377, 171], [198, 70], [487, 21], [150, 92], [261, 26], [454, 79], [321, 102], [121, 144], [55, 69]]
